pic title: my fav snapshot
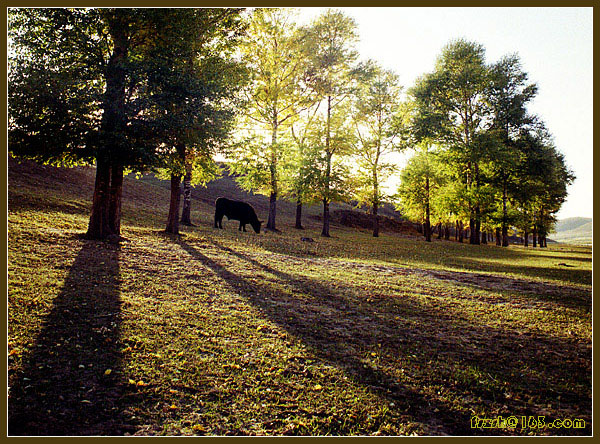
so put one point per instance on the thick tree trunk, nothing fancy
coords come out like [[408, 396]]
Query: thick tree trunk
[[472, 231], [186, 212], [299, 215], [99, 225], [504, 236], [375, 221], [484, 237], [274, 186], [427, 226], [440, 233], [325, 231], [498, 237], [375, 204], [447, 231], [272, 211], [461, 232], [173, 218], [116, 193], [106, 205]]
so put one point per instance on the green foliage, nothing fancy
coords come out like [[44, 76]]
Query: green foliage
[[419, 180], [377, 133], [55, 83]]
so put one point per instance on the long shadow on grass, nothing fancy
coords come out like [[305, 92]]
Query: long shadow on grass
[[63, 386], [342, 330]]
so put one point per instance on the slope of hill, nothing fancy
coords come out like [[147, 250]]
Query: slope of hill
[[573, 230], [217, 332]]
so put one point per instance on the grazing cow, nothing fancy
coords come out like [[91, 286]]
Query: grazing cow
[[236, 210]]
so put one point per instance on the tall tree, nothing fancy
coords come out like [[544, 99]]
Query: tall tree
[[194, 109], [419, 180], [279, 89], [508, 95], [68, 88], [454, 103], [329, 45], [378, 128], [300, 163], [82, 87]]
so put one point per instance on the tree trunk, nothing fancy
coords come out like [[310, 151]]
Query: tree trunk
[[273, 170], [456, 231], [461, 232], [299, 215], [186, 212], [106, 203], [325, 231], [498, 237], [440, 233], [526, 239], [484, 237], [272, 211], [476, 235], [447, 231], [99, 225], [375, 220], [534, 236], [427, 211], [173, 219], [472, 231], [116, 193], [375, 204]]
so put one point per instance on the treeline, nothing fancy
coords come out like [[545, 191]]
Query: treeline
[[292, 108]]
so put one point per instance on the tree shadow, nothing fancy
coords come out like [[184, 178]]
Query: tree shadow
[[341, 330], [70, 383]]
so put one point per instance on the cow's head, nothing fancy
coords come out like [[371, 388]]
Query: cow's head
[[256, 225]]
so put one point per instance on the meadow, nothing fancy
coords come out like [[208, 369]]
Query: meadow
[[221, 332]]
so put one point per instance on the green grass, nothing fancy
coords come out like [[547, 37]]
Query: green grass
[[218, 332]]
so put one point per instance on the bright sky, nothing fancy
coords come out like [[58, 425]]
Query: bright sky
[[555, 48]]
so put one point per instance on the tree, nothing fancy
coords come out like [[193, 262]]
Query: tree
[[329, 45], [327, 177], [543, 180], [83, 87], [194, 109], [453, 110], [508, 95], [69, 78], [419, 180], [300, 161], [377, 130], [279, 89]]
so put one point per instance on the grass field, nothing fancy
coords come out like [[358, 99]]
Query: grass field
[[219, 332]]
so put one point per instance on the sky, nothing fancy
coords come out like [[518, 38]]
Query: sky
[[555, 46]]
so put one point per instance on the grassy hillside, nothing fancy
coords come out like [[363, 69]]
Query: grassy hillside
[[574, 230], [218, 332]]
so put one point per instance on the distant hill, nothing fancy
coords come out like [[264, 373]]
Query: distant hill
[[573, 230]]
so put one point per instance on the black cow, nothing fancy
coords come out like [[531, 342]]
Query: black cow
[[237, 210]]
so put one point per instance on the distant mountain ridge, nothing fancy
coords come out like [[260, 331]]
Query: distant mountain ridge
[[573, 230]]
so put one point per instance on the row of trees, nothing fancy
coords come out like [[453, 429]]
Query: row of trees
[[481, 157], [126, 89], [291, 107]]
